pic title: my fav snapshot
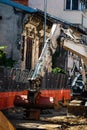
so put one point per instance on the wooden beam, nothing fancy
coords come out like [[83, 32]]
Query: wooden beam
[[5, 124]]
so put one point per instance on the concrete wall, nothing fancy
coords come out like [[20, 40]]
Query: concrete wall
[[10, 30]]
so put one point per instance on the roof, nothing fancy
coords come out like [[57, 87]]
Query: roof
[[55, 19], [49, 16], [19, 6]]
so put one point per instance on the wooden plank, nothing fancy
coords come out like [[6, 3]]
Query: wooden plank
[[5, 124], [76, 101]]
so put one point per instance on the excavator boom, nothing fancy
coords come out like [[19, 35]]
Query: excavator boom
[[76, 48], [45, 60]]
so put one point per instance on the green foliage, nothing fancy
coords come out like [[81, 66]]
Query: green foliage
[[58, 70], [9, 62], [5, 61], [2, 57], [2, 47]]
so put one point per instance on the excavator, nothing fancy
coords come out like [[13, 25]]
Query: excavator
[[71, 40]]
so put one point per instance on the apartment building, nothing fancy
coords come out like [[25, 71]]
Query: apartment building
[[69, 10]]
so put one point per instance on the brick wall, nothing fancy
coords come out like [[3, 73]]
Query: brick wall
[[24, 2]]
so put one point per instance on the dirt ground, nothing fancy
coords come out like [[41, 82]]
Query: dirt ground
[[49, 120]]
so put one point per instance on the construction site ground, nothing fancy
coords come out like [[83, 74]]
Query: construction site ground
[[50, 119]]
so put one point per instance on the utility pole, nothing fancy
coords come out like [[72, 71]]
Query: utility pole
[[45, 12]]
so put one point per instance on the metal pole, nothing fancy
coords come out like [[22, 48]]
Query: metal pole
[[45, 11]]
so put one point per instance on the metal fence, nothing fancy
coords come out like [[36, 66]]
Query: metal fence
[[54, 81], [13, 79]]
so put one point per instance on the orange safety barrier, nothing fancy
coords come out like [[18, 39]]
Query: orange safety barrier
[[7, 99]]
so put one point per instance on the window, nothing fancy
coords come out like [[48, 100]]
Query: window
[[72, 4], [0, 17], [22, 48], [68, 4], [29, 53], [75, 5]]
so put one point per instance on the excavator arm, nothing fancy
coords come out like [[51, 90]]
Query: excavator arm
[[80, 50], [45, 60], [68, 40], [76, 48]]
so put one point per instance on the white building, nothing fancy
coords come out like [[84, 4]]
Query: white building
[[69, 10]]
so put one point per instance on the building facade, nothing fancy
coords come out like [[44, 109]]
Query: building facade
[[33, 40], [69, 10], [12, 15]]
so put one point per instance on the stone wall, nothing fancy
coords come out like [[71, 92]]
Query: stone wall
[[10, 30]]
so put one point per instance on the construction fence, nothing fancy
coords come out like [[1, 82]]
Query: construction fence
[[13, 79]]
